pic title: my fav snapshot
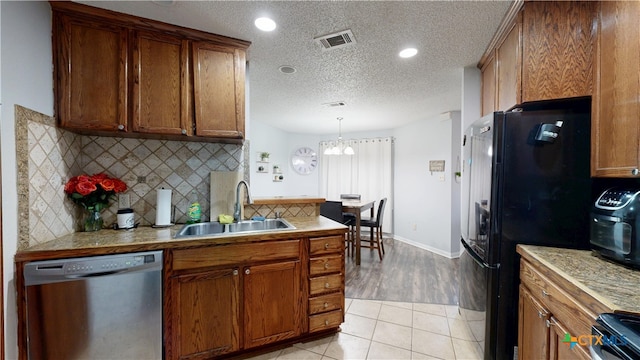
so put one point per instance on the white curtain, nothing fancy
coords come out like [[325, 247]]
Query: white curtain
[[369, 173]]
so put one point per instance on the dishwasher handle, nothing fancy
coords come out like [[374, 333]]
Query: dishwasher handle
[[74, 269]]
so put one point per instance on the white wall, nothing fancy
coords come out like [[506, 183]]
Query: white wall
[[27, 80], [423, 199]]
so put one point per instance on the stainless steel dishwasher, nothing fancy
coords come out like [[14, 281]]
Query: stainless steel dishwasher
[[99, 307]]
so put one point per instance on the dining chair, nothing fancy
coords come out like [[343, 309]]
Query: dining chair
[[333, 210], [375, 224]]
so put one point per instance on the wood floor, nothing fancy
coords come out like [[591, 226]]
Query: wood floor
[[406, 273]]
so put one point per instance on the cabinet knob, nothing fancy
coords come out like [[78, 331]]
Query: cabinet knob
[[634, 172], [326, 246], [540, 314], [549, 323], [120, 127], [184, 131], [326, 285], [247, 271], [235, 272], [326, 265], [326, 322], [544, 293], [326, 305]]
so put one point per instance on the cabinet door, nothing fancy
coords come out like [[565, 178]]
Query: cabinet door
[[533, 333], [560, 349], [219, 76], [272, 302], [489, 86], [90, 74], [160, 84], [616, 103], [558, 39], [509, 63], [205, 314]]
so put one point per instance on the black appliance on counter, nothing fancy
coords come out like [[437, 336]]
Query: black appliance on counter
[[616, 336], [615, 226], [525, 180]]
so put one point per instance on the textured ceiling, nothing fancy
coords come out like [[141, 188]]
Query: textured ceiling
[[381, 90]]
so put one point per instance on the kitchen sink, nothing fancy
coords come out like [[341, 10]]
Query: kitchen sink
[[215, 228]]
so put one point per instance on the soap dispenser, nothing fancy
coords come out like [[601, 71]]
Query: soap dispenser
[[194, 212]]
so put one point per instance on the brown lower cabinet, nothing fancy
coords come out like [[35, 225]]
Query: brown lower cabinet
[[548, 312], [226, 300]]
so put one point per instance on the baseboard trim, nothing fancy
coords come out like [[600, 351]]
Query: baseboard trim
[[446, 254]]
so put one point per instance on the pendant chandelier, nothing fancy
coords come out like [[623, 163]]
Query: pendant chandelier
[[339, 148]]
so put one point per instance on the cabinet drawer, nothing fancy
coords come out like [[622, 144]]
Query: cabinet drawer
[[324, 284], [325, 265], [326, 245], [575, 317], [325, 303], [325, 321], [235, 254]]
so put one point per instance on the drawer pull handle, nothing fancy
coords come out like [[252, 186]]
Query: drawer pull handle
[[326, 285], [544, 293], [184, 131], [326, 322], [120, 127], [326, 305], [326, 246], [247, 271], [235, 271], [326, 265]]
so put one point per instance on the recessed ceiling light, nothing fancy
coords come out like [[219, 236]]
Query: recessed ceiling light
[[408, 52], [286, 69], [265, 24]]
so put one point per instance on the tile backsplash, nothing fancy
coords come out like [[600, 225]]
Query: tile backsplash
[[48, 156]]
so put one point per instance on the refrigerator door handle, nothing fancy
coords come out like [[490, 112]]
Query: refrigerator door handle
[[477, 258]]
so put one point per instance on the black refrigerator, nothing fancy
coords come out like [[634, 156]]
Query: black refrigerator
[[525, 181]]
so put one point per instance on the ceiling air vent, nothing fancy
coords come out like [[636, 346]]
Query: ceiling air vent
[[336, 40]]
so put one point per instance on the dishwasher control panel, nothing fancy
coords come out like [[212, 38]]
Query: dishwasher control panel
[[39, 272]]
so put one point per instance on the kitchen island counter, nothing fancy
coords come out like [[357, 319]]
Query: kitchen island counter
[[145, 238], [582, 273]]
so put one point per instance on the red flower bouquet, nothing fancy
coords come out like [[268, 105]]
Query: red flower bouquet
[[95, 191]]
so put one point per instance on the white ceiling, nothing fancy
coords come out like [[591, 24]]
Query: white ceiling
[[381, 90]]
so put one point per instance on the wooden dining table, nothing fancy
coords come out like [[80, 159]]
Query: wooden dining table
[[356, 207]]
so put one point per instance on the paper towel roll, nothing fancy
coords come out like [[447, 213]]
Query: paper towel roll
[[163, 207]]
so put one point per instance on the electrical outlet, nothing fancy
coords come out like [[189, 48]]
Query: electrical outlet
[[124, 201], [441, 177]]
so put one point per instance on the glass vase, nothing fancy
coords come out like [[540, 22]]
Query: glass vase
[[93, 220]]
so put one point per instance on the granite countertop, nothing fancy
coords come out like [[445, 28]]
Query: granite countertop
[[145, 238], [614, 285]]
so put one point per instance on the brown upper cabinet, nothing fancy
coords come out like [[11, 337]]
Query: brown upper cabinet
[[90, 58], [121, 75], [219, 78], [161, 95], [615, 133], [543, 50]]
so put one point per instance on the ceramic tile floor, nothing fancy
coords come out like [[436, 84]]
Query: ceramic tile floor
[[391, 330]]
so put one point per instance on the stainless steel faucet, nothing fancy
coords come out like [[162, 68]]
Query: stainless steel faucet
[[236, 210]]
